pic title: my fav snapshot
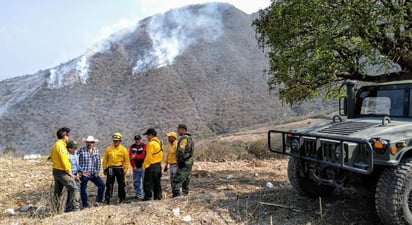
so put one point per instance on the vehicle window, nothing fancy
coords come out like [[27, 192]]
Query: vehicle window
[[410, 103], [376, 105], [396, 101], [382, 102]]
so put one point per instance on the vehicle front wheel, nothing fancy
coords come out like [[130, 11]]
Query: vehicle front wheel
[[393, 197], [304, 185]]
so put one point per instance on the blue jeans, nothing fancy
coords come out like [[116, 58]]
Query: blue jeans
[[83, 186], [138, 177]]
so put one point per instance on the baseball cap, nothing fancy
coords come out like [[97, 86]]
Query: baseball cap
[[72, 144], [137, 137], [172, 134], [151, 131]]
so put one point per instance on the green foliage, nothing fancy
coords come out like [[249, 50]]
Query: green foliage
[[259, 149], [9, 151], [233, 150], [216, 151], [316, 43]]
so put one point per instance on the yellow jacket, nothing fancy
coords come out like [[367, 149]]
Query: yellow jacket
[[171, 153], [116, 156], [60, 156], [154, 152]]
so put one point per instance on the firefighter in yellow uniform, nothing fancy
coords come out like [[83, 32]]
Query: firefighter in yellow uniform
[[115, 166], [152, 166], [62, 172], [171, 155]]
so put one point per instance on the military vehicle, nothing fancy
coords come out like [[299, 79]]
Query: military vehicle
[[367, 145]]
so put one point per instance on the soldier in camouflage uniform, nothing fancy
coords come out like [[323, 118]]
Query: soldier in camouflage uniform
[[184, 155]]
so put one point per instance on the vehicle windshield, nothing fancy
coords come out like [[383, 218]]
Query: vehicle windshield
[[381, 102], [376, 105]]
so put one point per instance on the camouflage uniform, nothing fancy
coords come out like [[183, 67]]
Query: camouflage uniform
[[184, 155]]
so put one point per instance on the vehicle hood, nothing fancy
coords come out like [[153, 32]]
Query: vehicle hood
[[363, 128]]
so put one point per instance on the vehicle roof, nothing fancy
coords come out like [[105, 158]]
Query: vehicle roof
[[402, 82]]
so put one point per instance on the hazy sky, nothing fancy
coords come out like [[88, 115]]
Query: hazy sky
[[40, 34]]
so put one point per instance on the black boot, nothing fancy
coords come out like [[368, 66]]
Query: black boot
[[176, 194]]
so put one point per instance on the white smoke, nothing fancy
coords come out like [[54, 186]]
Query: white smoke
[[57, 74], [172, 32], [83, 69], [80, 67]]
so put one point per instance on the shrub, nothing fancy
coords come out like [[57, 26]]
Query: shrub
[[258, 149], [9, 151]]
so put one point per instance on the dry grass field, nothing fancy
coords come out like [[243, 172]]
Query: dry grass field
[[243, 191]]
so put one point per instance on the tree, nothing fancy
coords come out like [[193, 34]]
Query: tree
[[314, 44]]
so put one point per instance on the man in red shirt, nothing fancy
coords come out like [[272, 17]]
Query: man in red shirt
[[137, 152]]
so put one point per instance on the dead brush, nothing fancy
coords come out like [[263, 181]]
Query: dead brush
[[45, 206], [256, 163], [56, 206]]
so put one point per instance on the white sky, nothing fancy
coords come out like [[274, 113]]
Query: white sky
[[40, 34]]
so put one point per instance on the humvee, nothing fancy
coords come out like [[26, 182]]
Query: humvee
[[367, 145]]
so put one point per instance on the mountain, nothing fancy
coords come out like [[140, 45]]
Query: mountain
[[198, 65]]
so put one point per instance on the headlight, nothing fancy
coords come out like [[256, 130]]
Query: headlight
[[379, 145], [339, 151], [295, 144]]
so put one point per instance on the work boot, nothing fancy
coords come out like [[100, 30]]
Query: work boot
[[176, 195]]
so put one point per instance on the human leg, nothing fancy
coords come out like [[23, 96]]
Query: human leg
[[177, 182], [148, 183], [83, 194], [121, 184], [141, 182], [100, 188], [57, 193], [173, 169], [70, 197], [186, 181], [136, 182], [109, 187], [74, 192], [68, 207], [157, 188], [68, 182], [140, 176]]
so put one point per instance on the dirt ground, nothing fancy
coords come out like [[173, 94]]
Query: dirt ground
[[232, 192], [222, 192]]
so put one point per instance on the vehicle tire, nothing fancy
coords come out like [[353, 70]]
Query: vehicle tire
[[304, 185], [393, 198]]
